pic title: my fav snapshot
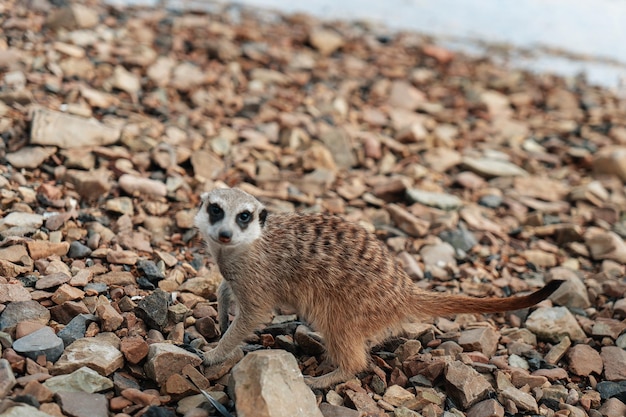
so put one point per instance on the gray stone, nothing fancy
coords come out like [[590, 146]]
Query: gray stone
[[432, 199], [153, 309], [76, 328], [573, 292], [554, 323], [24, 410], [23, 311], [150, 270], [40, 342], [81, 380], [269, 383], [7, 378], [78, 250], [460, 239], [83, 404]]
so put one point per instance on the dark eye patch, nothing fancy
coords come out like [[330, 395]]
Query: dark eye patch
[[244, 218], [215, 213]]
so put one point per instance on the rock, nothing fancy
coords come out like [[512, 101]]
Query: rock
[[165, 359], [206, 165], [326, 41], [540, 258], [74, 16], [493, 167], [13, 292], [431, 199], [83, 404], [52, 281], [7, 378], [91, 185], [461, 239], [90, 352], [614, 363], [439, 255], [606, 245], [150, 270], [583, 360], [608, 327], [522, 400], [573, 292], [308, 341], [487, 408], [482, 339], [269, 383], [19, 219], [121, 205], [41, 342], [558, 351], [153, 309], [404, 96], [81, 380], [124, 257], [610, 161], [78, 250], [30, 157], [554, 323], [110, 319], [613, 408], [340, 146], [51, 128], [329, 410], [397, 396], [18, 311], [465, 385], [407, 222], [134, 348], [76, 328], [24, 410], [187, 76], [132, 185], [125, 80], [115, 278]]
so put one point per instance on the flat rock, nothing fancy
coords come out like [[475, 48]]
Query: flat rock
[[493, 167], [90, 352], [138, 185], [583, 360], [18, 311], [613, 408], [465, 385], [326, 41], [432, 199], [487, 408], [165, 359], [21, 219], [91, 185], [41, 342], [614, 363], [30, 157], [52, 128], [83, 404], [554, 323], [606, 245], [153, 309], [13, 292], [572, 293], [407, 222], [522, 400], [52, 281], [76, 328], [24, 410], [81, 380], [340, 146], [269, 383], [610, 161], [78, 250]]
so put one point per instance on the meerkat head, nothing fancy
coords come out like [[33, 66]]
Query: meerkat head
[[230, 217]]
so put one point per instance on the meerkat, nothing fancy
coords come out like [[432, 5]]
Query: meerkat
[[339, 277]]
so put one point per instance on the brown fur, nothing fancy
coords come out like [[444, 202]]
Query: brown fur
[[339, 278]]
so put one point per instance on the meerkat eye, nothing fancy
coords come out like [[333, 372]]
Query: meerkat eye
[[244, 216], [215, 212]]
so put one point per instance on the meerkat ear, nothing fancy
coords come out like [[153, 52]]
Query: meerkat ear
[[262, 217]]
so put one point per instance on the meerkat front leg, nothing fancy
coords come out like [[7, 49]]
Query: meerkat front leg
[[224, 300], [248, 317]]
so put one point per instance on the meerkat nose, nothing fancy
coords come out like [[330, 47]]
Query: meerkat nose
[[225, 236]]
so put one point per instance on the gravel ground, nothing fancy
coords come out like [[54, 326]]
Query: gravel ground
[[482, 180]]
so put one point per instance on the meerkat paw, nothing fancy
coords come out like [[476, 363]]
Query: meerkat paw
[[325, 381], [212, 358]]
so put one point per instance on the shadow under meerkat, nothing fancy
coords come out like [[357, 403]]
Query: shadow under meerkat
[[339, 277]]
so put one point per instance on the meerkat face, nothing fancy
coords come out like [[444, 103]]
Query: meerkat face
[[230, 217]]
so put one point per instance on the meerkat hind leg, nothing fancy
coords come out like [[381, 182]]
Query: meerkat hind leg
[[350, 355]]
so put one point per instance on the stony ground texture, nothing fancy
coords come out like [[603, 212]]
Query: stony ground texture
[[482, 180]]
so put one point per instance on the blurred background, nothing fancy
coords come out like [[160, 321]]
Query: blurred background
[[566, 37]]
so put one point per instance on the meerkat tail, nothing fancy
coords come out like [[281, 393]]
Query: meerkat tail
[[437, 304]]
